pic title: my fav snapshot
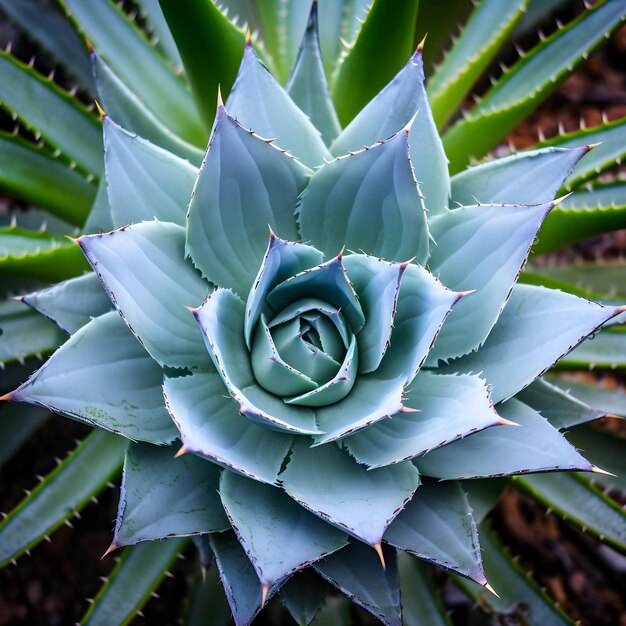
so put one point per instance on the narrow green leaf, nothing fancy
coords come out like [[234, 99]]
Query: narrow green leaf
[[71, 304], [162, 496], [488, 28], [279, 536], [55, 34], [368, 66], [421, 605], [118, 39], [130, 585], [68, 488], [25, 333], [529, 82], [513, 586], [611, 137], [44, 107], [210, 47], [604, 276], [574, 498], [56, 187], [102, 376], [39, 255], [606, 349], [123, 106]]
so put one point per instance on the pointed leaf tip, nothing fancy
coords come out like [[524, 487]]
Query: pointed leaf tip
[[6, 397], [558, 201], [112, 548], [591, 146], [89, 46], [381, 556], [266, 590], [220, 101], [505, 422], [183, 450], [100, 110], [248, 36], [489, 588], [420, 45], [598, 470], [409, 124]]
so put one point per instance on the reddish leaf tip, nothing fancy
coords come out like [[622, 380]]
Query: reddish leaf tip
[[183, 450], [598, 470], [381, 556], [420, 45], [266, 590], [112, 548]]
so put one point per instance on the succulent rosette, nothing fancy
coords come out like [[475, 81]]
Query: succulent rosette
[[332, 377]]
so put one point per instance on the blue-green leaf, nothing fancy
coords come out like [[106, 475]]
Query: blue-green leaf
[[537, 327], [437, 526], [423, 305], [560, 408], [72, 303], [378, 284], [144, 181], [103, 377], [258, 102], [392, 109], [534, 446], [480, 248], [448, 407], [328, 482], [303, 596], [17, 425], [211, 426], [282, 260], [279, 536], [245, 183], [166, 497], [357, 572], [143, 269], [531, 177], [368, 201], [308, 86], [244, 591], [606, 349], [221, 321]]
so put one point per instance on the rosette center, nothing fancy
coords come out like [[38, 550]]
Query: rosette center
[[305, 354]]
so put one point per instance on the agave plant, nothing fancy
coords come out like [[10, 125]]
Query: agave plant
[[318, 390]]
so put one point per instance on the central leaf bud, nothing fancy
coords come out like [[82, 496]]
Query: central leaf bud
[[305, 354]]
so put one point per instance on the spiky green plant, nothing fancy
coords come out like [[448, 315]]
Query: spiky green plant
[[315, 407]]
